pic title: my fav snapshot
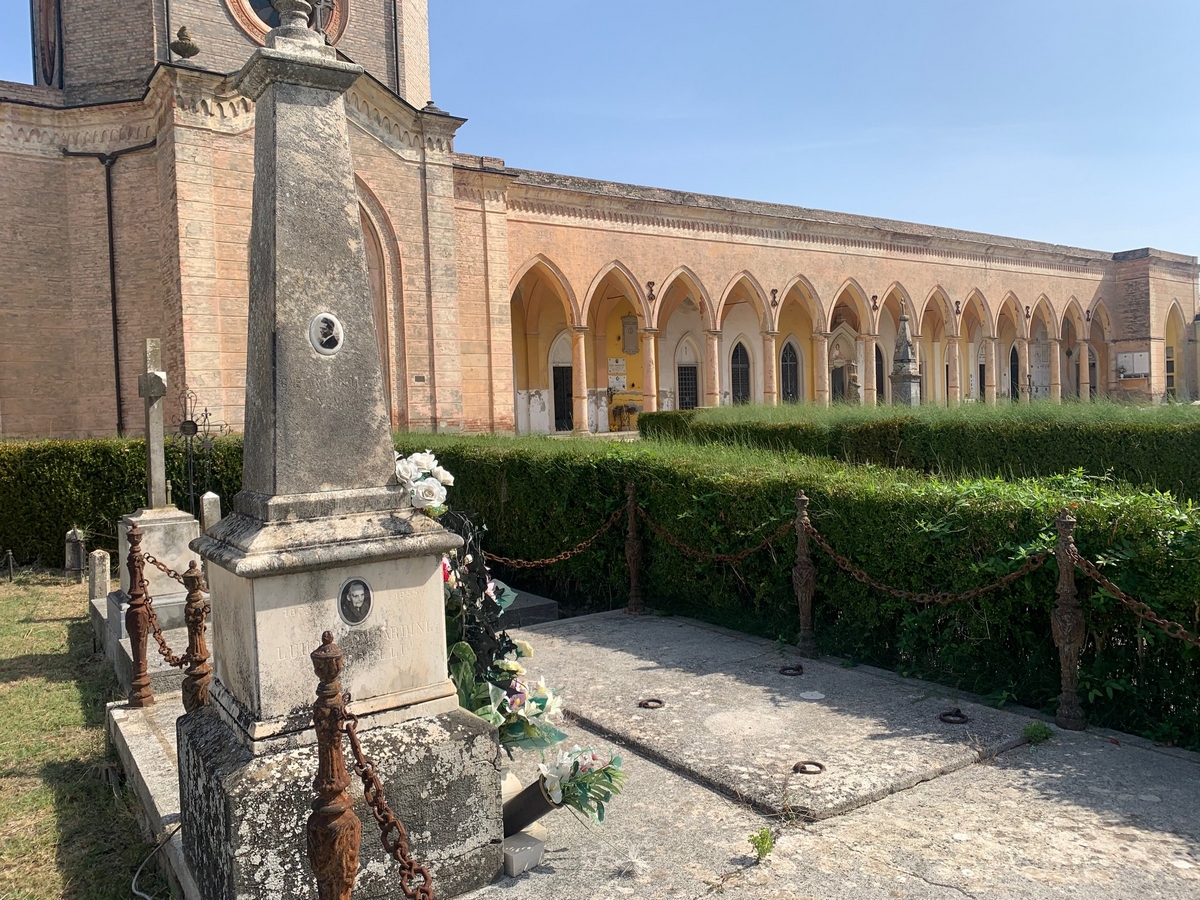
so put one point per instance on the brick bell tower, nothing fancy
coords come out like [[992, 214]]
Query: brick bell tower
[[99, 51]]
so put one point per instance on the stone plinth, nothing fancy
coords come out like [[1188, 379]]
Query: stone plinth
[[244, 816], [166, 535]]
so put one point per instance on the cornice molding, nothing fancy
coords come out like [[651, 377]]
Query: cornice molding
[[379, 112], [43, 131], [545, 203]]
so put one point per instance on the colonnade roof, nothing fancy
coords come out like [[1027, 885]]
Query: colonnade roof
[[909, 230]]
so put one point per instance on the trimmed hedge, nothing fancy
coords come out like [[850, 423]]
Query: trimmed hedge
[[540, 496], [47, 487], [1136, 446]]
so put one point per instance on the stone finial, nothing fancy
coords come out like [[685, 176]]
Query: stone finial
[[183, 44]]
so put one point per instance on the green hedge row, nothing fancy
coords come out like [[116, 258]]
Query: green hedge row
[[538, 497], [48, 487], [1161, 454]]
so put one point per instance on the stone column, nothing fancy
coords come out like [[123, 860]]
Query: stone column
[[990, 349], [1055, 370], [953, 386], [1084, 350], [579, 376], [821, 367], [650, 369], [870, 376], [712, 368], [1023, 369], [600, 366], [770, 382]]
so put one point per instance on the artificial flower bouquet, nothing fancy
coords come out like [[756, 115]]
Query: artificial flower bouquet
[[425, 480], [583, 780]]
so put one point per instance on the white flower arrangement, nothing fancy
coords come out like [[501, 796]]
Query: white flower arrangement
[[425, 480]]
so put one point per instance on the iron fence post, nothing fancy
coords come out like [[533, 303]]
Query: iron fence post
[[1067, 624], [199, 672], [334, 829], [804, 580], [633, 552], [137, 622]]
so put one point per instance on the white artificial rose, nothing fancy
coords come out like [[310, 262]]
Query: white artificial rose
[[427, 492], [406, 471], [442, 475], [424, 462]]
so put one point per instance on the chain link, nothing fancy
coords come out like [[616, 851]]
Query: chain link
[[165, 569], [1140, 609], [164, 649], [941, 598], [731, 558], [565, 555], [392, 833]]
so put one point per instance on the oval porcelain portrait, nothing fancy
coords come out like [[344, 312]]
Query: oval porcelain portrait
[[354, 601], [326, 333]]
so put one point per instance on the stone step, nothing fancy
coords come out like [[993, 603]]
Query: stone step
[[529, 609]]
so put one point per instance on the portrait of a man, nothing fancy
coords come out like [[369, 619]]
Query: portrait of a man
[[354, 603], [326, 333]]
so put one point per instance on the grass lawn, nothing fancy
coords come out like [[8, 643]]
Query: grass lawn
[[65, 830]]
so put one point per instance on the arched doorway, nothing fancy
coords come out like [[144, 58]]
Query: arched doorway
[[791, 373], [541, 319], [561, 375], [687, 375], [1175, 384], [739, 374], [1014, 374]]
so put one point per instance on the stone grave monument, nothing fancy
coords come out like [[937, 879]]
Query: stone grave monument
[[322, 537], [166, 531], [906, 380]]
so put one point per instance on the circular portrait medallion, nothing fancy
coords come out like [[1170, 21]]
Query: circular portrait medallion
[[354, 601], [326, 333]]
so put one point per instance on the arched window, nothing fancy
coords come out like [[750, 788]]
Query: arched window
[[1014, 374], [687, 375], [880, 377], [789, 374], [739, 374]]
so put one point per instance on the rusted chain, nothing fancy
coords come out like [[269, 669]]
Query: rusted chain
[[389, 825], [169, 572], [164, 649], [1137, 607], [718, 557], [565, 555], [941, 598]]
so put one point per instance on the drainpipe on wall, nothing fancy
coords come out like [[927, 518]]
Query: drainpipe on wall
[[396, 42], [108, 160]]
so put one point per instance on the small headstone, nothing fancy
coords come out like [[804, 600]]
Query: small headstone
[[75, 555], [210, 511], [98, 575]]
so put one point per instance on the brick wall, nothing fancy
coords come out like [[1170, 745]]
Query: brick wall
[[109, 49]]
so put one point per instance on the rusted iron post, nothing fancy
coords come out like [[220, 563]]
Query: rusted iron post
[[199, 672], [1067, 624], [137, 621], [334, 829], [633, 552], [804, 581]]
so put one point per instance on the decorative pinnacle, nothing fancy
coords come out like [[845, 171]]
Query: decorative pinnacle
[[183, 45]]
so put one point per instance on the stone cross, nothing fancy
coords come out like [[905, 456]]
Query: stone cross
[[152, 387]]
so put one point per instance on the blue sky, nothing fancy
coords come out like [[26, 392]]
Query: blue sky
[[1075, 122]]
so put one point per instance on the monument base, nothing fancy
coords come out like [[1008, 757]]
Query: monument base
[[169, 608], [244, 816]]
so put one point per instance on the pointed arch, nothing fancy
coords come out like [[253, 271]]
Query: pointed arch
[[1073, 312], [901, 292], [945, 308], [810, 299], [1011, 304], [686, 275], [554, 275], [757, 296], [640, 304], [1043, 309], [858, 297], [1097, 316], [976, 298], [388, 295]]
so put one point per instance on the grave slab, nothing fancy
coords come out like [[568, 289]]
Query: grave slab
[[164, 679], [731, 720]]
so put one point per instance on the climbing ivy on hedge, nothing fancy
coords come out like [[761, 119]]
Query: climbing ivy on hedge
[[1142, 447], [540, 496]]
